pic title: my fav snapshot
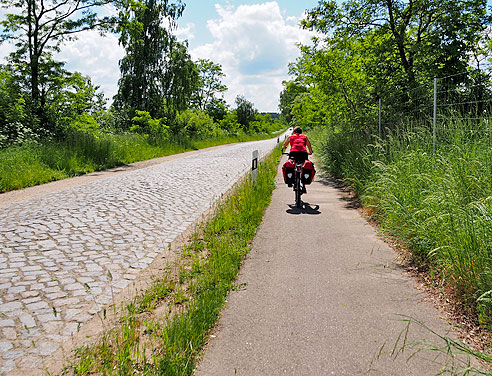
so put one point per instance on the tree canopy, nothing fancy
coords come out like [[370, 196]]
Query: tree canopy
[[38, 28], [155, 61], [370, 49], [210, 84], [246, 111]]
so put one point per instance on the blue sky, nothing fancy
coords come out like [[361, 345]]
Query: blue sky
[[253, 41]]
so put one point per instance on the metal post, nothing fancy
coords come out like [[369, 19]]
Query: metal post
[[434, 117], [254, 164], [380, 118]]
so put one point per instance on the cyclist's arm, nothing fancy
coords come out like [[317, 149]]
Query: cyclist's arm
[[284, 146], [308, 144]]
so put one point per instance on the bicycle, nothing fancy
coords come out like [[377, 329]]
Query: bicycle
[[298, 176]]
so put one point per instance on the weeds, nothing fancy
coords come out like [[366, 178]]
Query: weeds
[[453, 356], [437, 204]]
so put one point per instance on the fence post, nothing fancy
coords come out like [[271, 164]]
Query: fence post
[[379, 118], [434, 117]]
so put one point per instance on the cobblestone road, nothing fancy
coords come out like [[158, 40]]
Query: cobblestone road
[[53, 247]]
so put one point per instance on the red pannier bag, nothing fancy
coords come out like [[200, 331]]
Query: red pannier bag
[[288, 171], [308, 172]]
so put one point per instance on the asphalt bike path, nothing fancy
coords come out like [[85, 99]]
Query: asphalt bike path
[[320, 294], [68, 250]]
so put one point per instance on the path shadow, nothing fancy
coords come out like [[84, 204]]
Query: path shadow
[[306, 209], [347, 195]]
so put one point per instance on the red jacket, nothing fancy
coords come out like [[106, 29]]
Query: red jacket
[[298, 142]]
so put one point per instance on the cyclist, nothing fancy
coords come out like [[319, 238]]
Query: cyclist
[[299, 145]]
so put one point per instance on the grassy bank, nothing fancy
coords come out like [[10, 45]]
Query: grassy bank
[[163, 330], [81, 153], [439, 205]]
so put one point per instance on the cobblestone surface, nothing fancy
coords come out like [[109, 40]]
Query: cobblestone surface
[[63, 256]]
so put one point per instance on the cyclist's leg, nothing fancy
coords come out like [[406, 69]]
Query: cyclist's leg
[[303, 156]]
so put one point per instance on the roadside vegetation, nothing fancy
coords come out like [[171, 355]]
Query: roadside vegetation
[[424, 178], [438, 205], [429, 187], [81, 153], [163, 330], [56, 124]]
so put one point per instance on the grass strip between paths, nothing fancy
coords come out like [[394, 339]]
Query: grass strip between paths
[[163, 330]]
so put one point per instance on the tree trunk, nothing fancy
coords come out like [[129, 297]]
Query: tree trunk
[[34, 55], [399, 36]]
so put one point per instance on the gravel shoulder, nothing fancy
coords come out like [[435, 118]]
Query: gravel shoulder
[[321, 294]]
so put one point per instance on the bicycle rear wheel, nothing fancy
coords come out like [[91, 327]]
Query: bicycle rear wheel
[[298, 191]]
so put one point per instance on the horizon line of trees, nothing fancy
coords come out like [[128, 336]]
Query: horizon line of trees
[[162, 92]]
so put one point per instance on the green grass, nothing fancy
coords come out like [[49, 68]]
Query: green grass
[[437, 204], [80, 153], [192, 292]]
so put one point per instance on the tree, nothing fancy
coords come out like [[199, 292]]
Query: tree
[[433, 37], [157, 73], [209, 84], [146, 41], [388, 49], [38, 28], [333, 83], [74, 97], [217, 108], [180, 79], [287, 97], [12, 108], [245, 111]]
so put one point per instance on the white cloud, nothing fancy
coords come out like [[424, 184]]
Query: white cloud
[[186, 32], [6, 47], [5, 50], [95, 56], [254, 44]]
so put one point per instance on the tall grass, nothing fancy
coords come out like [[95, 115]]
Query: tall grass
[[192, 292], [438, 204], [81, 153]]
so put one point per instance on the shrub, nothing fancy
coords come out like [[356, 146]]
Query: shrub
[[230, 123], [197, 124], [154, 129], [84, 123]]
